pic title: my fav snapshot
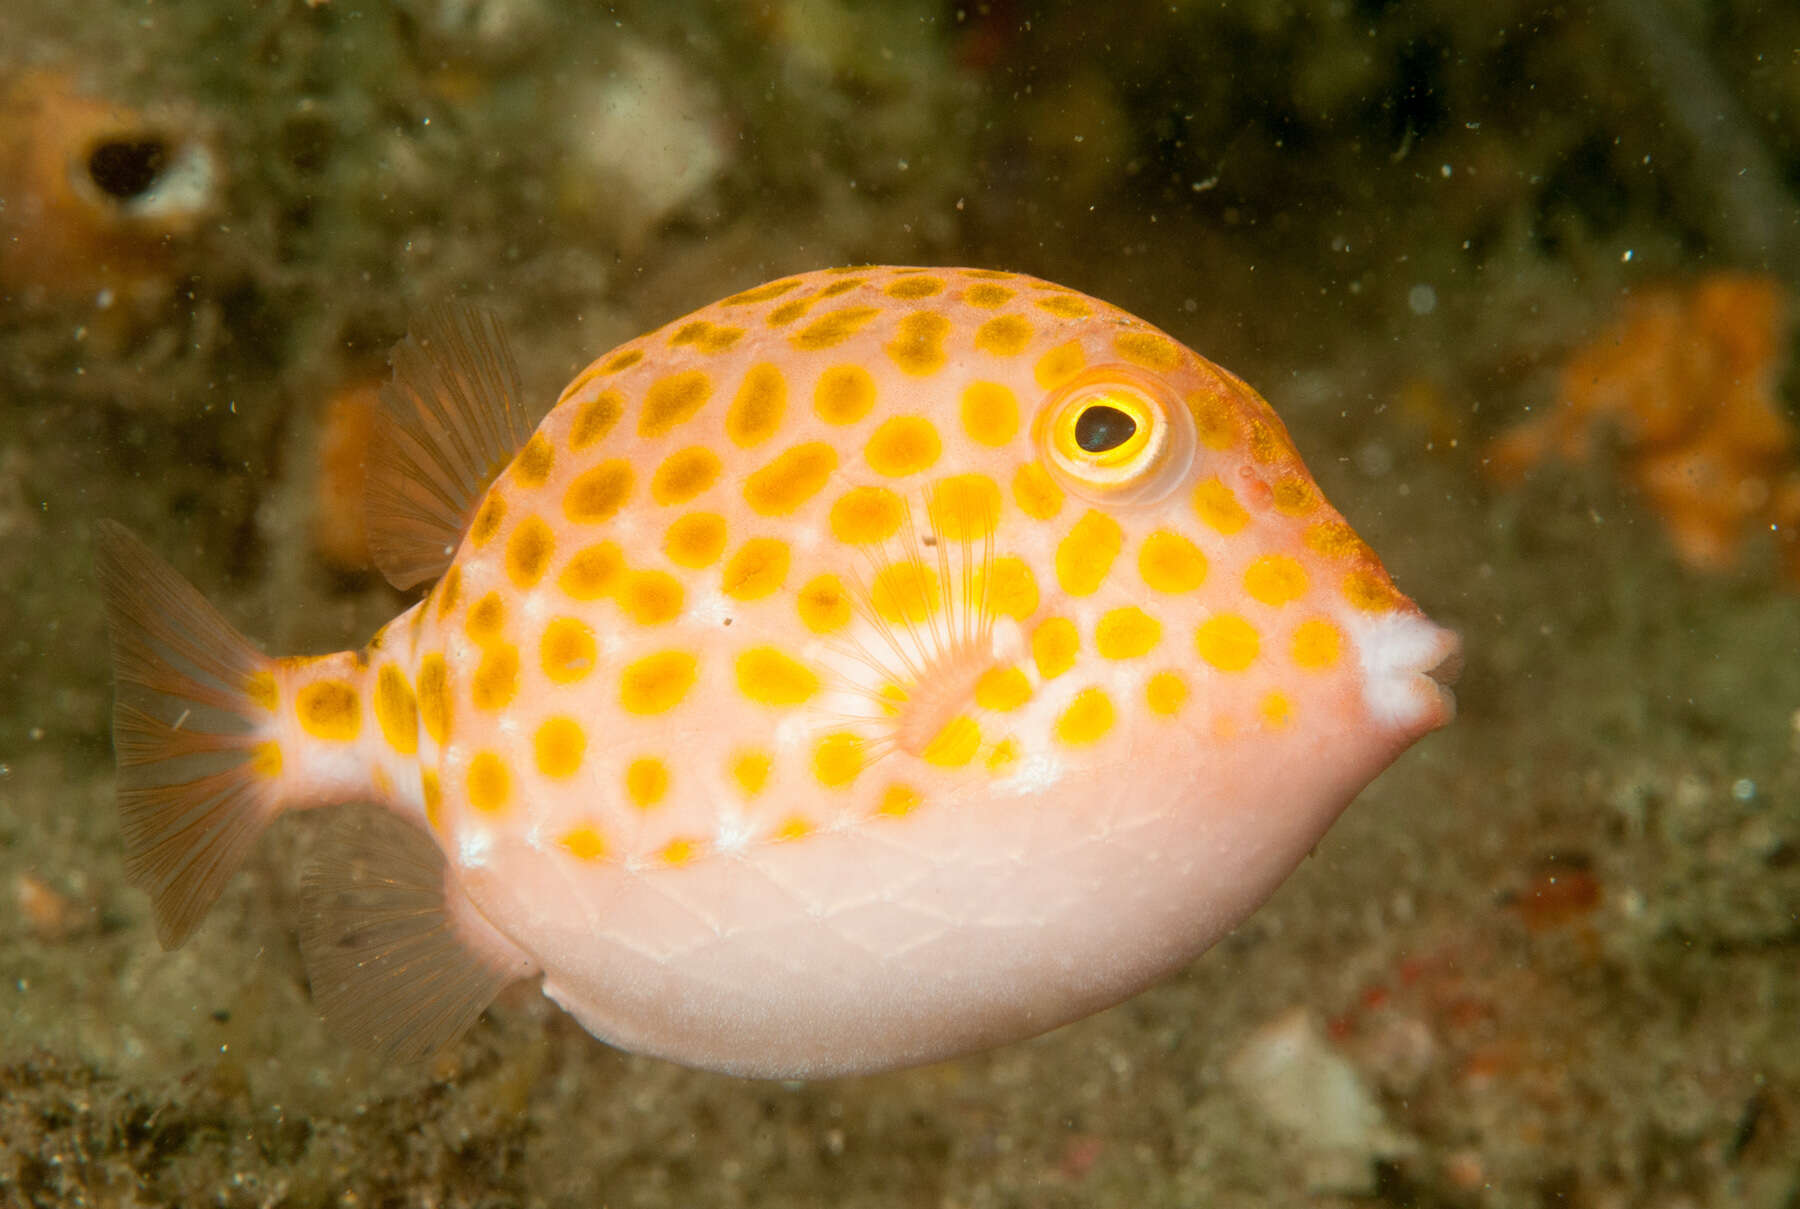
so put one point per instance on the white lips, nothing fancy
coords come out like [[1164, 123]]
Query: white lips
[[1408, 665]]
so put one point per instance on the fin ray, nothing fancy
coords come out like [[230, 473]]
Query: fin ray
[[450, 420], [400, 962], [186, 728]]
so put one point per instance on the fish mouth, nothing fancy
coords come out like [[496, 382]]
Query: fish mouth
[[1409, 664]]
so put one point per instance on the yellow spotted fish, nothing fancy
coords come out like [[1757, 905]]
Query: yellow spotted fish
[[875, 666]]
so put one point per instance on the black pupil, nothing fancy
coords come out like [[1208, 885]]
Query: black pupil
[[125, 167], [1101, 428]]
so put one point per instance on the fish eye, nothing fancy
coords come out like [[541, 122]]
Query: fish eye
[[1117, 434]]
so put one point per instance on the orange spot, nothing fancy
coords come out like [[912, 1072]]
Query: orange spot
[[673, 400], [489, 783], [583, 843], [646, 782], [918, 347], [558, 747], [595, 419], [657, 683], [755, 413], [1003, 335], [567, 651], [695, 540], [1086, 720], [844, 395], [779, 488], [684, 474], [330, 710], [903, 445], [596, 495], [757, 570]]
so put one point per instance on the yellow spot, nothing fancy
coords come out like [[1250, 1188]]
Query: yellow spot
[[1126, 633], [779, 488], [1060, 364], [487, 518], [651, 597], [1036, 492], [1275, 579], [646, 782], [1002, 689], [1086, 720], [955, 745], [448, 591], [673, 400], [965, 507], [433, 793], [260, 686], [1335, 539], [1065, 306], [866, 514], [914, 287], [1085, 556], [1170, 562], [595, 419], [768, 677], [558, 746], [489, 782], [695, 540], [898, 801], [567, 651], [1275, 710], [905, 592], [844, 286], [706, 337], [657, 683], [396, 710], [532, 466], [987, 297], [1004, 335], [1316, 644], [824, 605], [1219, 508], [684, 474], [918, 347], [903, 445], [751, 771], [762, 293], [1166, 693], [990, 413], [756, 411], [1294, 496], [1148, 350], [1007, 587], [792, 828], [991, 274], [844, 394], [832, 328], [596, 495], [678, 852], [1228, 642], [486, 619], [1266, 443], [1213, 422], [1370, 591], [789, 311], [758, 569], [594, 572], [329, 709], [528, 552], [1004, 755], [434, 697], [838, 759], [265, 759], [583, 843], [621, 362], [1054, 645], [496, 678]]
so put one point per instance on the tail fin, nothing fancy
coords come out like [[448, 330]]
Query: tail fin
[[196, 778]]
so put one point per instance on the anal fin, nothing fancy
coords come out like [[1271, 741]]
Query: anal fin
[[399, 960], [450, 421]]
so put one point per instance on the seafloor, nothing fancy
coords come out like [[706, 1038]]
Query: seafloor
[[1552, 957]]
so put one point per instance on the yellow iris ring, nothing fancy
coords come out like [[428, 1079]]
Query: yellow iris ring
[[1145, 466]]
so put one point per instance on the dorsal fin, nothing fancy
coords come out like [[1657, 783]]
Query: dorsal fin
[[450, 422]]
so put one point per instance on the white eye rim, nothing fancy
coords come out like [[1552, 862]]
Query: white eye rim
[[1163, 464]]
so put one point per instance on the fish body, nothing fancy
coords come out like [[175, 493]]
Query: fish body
[[874, 666]]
